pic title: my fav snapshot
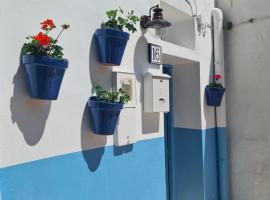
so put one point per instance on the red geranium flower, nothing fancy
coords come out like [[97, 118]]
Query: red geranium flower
[[43, 40], [47, 24], [217, 76]]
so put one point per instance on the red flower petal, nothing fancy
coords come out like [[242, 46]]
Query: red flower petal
[[47, 24], [217, 76], [43, 40]]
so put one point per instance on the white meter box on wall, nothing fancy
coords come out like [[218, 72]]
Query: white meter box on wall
[[156, 92], [127, 82], [126, 131]]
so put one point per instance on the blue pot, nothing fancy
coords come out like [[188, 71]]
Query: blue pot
[[104, 116], [111, 44], [44, 75], [214, 95]]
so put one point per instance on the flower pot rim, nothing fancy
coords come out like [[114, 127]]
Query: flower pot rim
[[45, 61], [105, 105], [105, 102], [112, 32], [214, 88]]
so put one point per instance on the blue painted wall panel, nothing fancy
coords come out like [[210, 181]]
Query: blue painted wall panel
[[135, 173], [193, 164], [210, 164], [186, 164], [223, 164]]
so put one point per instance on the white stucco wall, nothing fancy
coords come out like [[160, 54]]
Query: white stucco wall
[[32, 129], [248, 111]]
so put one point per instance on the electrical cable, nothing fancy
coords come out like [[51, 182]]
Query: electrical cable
[[195, 3], [230, 25], [192, 13]]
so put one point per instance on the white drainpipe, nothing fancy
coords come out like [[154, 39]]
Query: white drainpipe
[[220, 112], [218, 41]]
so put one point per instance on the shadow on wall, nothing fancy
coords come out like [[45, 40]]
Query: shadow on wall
[[150, 121], [117, 151], [29, 114], [208, 109], [93, 146], [99, 73]]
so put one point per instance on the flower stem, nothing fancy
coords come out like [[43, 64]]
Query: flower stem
[[59, 34]]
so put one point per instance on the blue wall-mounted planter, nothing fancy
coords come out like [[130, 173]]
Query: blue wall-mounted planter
[[214, 96], [104, 116], [111, 44], [44, 76]]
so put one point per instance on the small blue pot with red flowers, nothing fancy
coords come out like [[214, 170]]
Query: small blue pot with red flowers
[[214, 96], [214, 92], [44, 63], [44, 75]]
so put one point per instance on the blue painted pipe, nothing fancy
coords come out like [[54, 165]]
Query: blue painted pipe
[[223, 176]]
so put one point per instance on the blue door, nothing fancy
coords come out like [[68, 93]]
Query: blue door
[[191, 158]]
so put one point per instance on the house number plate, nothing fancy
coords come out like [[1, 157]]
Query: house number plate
[[154, 54]]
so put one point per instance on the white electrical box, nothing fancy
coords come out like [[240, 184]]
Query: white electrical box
[[126, 81], [156, 92], [126, 130]]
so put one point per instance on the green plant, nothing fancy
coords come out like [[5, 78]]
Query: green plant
[[42, 44], [119, 22], [216, 82], [113, 96]]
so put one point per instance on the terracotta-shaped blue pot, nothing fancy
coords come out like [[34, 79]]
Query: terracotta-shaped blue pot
[[111, 44], [214, 96], [104, 116], [44, 75]]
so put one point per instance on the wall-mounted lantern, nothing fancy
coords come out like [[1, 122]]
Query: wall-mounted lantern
[[156, 22]]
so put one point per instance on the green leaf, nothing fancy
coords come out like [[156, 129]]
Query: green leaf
[[119, 22], [110, 96]]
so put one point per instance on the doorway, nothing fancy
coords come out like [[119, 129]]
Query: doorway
[[191, 154]]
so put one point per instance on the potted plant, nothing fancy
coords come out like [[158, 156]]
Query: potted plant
[[111, 39], [44, 62], [105, 107], [214, 91]]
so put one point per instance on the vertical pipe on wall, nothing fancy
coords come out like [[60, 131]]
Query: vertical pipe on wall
[[220, 113]]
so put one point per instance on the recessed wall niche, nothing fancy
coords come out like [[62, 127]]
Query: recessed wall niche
[[183, 29]]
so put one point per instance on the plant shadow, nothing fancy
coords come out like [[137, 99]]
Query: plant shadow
[[150, 121], [99, 73], [121, 150], [30, 115], [93, 146]]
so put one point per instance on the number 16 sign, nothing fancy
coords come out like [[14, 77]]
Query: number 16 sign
[[154, 54]]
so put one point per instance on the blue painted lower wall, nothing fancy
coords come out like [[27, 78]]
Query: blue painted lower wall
[[197, 171], [131, 173], [186, 172]]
